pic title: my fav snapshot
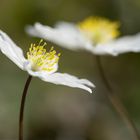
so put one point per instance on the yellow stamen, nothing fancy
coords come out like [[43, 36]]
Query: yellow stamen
[[42, 60], [99, 30]]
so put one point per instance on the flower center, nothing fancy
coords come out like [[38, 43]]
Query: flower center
[[41, 60], [99, 30]]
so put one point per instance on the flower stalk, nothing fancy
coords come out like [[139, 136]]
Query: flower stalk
[[116, 102], [23, 99]]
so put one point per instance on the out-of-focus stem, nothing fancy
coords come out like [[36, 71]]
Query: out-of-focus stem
[[23, 99], [116, 102]]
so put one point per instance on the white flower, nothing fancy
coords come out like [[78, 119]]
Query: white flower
[[40, 63], [96, 35]]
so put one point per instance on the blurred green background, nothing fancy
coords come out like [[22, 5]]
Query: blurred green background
[[56, 112]]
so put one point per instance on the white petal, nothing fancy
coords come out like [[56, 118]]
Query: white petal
[[64, 34], [11, 50], [122, 45], [63, 79], [68, 80]]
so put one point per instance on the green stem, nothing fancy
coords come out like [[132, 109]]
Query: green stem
[[116, 102], [23, 99]]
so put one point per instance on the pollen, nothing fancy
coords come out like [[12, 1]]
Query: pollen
[[99, 30], [41, 60]]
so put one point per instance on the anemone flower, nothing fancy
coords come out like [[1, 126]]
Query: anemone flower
[[96, 35], [39, 63]]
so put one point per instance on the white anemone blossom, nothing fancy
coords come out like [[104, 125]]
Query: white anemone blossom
[[40, 63], [94, 34]]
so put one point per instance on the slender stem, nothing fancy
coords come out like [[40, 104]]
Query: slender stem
[[21, 115], [116, 102]]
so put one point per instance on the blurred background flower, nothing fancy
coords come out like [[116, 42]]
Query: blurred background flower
[[57, 112]]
